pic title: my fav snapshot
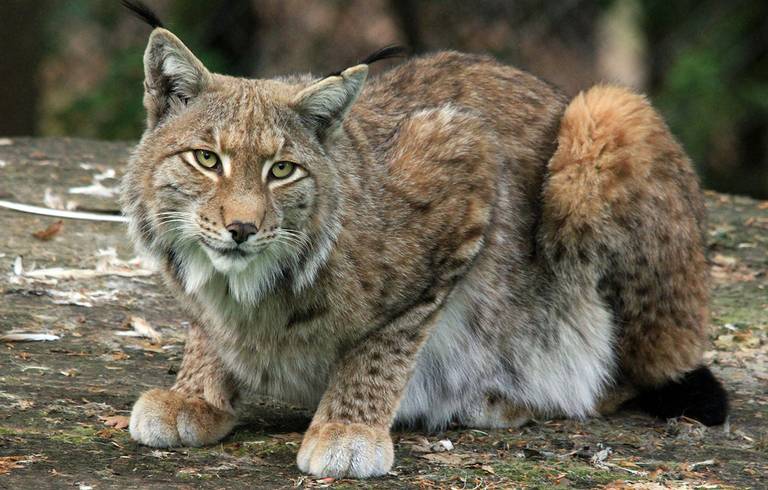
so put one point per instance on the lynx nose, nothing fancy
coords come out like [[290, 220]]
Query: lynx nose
[[241, 231]]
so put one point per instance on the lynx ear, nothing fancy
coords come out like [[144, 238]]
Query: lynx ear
[[324, 104], [172, 76]]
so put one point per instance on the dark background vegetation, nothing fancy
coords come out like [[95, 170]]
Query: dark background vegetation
[[73, 67]]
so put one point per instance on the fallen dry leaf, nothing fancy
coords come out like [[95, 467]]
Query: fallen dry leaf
[[422, 445], [107, 264], [188, 471], [24, 404], [116, 421], [727, 269], [96, 189], [724, 260], [49, 232], [757, 222], [108, 432], [8, 463], [18, 265], [156, 453], [693, 466], [728, 276], [441, 446], [54, 201], [288, 436], [449, 458], [141, 328], [120, 356], [419, 444]]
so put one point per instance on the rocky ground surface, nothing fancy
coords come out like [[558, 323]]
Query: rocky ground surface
[[76, 283]]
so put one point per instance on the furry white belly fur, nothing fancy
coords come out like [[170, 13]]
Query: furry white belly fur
[[458, 378]]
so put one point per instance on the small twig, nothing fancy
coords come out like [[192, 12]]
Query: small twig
[[60, 213], [691, 421], [617, 467]]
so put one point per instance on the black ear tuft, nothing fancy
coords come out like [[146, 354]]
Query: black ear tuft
[[392, 51], [142, 12]]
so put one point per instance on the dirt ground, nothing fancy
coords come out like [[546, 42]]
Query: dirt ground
[[54, 394]]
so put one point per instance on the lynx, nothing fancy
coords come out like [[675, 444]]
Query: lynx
[[453, 242]]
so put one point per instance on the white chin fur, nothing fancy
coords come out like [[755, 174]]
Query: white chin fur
[[227, 265], [247, 279]]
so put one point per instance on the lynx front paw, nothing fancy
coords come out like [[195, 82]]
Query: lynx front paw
[[352, 450], [162, 418]]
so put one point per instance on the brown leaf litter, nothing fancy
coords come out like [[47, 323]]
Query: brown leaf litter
[[50, 232]]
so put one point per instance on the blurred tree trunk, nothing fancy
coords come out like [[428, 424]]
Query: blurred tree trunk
[[233, 33], [406, 12], [752, 130], [21, 41], [229, 29]]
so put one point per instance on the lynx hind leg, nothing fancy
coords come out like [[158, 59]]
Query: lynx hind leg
[[615, 398], [622, 201], [196, 411]]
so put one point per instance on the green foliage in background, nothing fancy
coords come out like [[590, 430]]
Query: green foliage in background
[[113, 108], [712, 84]]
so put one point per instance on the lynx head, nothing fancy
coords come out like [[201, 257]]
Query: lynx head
[[233, 177]]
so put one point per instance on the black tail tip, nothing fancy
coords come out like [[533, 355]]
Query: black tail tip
[[697, 395]]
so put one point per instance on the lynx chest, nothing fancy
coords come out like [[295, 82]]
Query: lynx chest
[[279, 348]]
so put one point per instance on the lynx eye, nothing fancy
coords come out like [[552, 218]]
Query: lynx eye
[[282, 170], [207, 159]]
